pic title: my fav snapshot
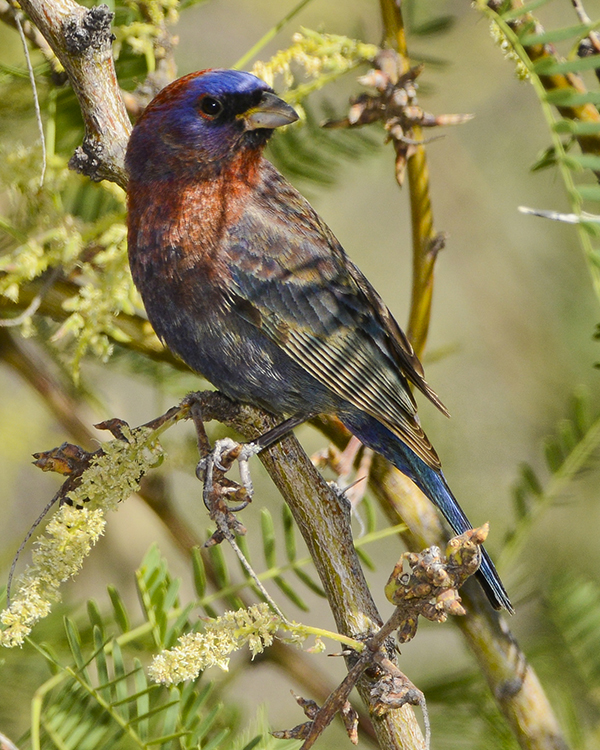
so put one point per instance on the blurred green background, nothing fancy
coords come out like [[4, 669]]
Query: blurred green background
[[511, 341]]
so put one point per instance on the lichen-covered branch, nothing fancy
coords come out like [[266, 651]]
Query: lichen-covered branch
[[512, 680], [81, 39], [324, 523], [430, 590], [296, 665]]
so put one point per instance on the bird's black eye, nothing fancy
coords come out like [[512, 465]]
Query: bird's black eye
[[210, 107]]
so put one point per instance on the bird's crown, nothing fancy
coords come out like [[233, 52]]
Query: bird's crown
[[201, 120]]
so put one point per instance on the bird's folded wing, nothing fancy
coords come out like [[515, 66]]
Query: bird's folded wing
[[305, 295]]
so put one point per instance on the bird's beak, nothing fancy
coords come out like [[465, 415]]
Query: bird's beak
[[271, 112]]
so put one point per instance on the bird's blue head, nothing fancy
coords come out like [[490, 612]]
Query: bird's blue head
[[199, 122]]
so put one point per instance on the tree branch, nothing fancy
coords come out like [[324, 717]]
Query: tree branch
[[82, 40], [65, 407]]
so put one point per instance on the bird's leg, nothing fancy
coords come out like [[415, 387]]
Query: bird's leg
[[217, 488], [346, 458], [215, 463], [201, 436], [220, 460], [282, 429]]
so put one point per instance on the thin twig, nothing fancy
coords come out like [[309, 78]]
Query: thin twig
[[581, 12], [81, 39], [6, 744], [242, 558], [28, 536], [36, 101], [271, 33], [7, 16], [33, 306]]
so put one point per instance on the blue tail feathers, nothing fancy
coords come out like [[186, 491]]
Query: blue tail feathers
[[433, 484]]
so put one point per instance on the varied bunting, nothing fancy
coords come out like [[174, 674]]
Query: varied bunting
[[245, 282]]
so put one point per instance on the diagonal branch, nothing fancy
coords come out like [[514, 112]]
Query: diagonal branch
[[424, 236], [82, 40], [65, 407]]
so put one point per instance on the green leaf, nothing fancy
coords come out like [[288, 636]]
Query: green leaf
[[172, 714], [217, 740], [288, 532], [74, 640], [178, 627], [581, 411], [194, 702], [170, 599], [159, 709], [199, 572], [94, 615], [310, 582], [572, 163], [286, 589], [587, 161], [589, 192], [437, 25], [575, 609], [520, 495], [553, 454], [569, 97], [268, 537], [546, 159], [119, 610], [529, 479], [370, 515], [101, 664], [210, 611], [245, 549], [219, 567], [567, 435], [554, 35], [165, 738], [142, 703], [577, 127], [120, 682], [205, 725], [548, 66], [131, 697], [514, 14], [367, 561]]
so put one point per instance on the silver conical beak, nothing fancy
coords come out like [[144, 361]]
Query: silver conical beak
[[271, 112]]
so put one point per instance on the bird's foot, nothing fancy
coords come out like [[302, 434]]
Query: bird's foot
[[213, 467], [220, 492]]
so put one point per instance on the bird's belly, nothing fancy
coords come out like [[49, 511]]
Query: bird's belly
[[237, 358]]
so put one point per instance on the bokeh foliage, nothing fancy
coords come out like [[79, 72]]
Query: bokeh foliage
[[97, 694]]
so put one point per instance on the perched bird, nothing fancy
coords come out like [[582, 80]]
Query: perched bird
[[244, 281]]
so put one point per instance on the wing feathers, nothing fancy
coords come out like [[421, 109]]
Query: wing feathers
[[296, 284]]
